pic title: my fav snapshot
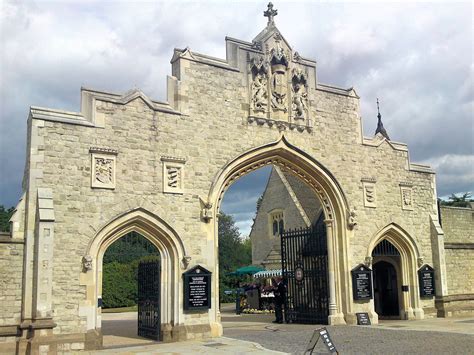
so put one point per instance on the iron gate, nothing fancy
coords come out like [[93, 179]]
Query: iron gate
[[304, 258], [149, 299]]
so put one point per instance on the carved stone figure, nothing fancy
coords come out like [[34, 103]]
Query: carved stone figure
[[87, 263], [351, 219], [300, 98], [185, 262], [259, 93], [279, 91], [300, 94], [104, 170], [406, 194]]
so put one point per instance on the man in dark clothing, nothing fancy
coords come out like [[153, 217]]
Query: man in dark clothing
[[280, 297]]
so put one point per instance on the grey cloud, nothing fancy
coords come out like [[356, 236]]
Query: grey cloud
[[416, 57]]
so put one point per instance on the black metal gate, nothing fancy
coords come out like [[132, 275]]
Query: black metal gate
[[304, 258], [149, 299]]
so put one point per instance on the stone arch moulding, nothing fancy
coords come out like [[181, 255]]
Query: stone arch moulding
[[173, 258], [326, 188], [409, 254]]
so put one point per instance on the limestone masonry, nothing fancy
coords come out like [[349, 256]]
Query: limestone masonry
[[127, 163]]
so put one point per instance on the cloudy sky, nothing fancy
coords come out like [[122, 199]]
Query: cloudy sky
[[416, 57]]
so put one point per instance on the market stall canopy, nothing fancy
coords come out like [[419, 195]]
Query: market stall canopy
[[268, 273], [246, 270]]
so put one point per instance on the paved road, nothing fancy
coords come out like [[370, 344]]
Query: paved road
[[429, 336], [394, 337]]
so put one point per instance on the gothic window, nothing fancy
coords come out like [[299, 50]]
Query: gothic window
[[276, 223]]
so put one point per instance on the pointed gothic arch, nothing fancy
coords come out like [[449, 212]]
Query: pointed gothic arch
[[172, 255], [410, 307], [326, 188]]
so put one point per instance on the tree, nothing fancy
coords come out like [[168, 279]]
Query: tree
[[5, 215], [458, 201], [234, 252]]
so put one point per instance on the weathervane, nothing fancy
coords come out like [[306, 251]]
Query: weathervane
[[270, 13]]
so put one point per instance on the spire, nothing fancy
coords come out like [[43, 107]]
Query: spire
[[380, 129], [270, 13]]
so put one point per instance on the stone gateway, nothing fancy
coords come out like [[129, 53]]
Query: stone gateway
[[128, 163]]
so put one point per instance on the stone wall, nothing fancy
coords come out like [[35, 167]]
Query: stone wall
[[457, 224], [458, 227], [460, 271], [11, 266]]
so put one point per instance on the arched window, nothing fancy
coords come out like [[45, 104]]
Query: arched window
[[275, 227], [281, 226]]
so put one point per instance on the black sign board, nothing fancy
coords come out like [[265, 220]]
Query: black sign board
[[363, 319], [197, 288], [426, 281], [362, 282], [324, 334]]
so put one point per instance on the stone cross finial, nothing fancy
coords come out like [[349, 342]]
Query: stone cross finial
[[270, 13]]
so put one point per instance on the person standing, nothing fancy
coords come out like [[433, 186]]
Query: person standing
[[280, 297]]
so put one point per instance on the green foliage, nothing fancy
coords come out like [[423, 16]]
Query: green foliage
[[234, 252], [130, 247], [5, 215], [119, 284], [120, 269], [458, 201]]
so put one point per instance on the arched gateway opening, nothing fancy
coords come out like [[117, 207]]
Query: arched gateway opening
[[334, 210], [395, 257], [386, 261], [165, 271], [130, 291]]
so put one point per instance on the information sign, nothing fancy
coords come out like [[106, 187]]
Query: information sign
[[197, 288], [362, 283], [426, 281]]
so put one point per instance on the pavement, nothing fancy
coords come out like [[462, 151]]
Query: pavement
[[255, 334], [221, 345]]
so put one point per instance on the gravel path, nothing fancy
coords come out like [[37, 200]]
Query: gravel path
[[292, 338]]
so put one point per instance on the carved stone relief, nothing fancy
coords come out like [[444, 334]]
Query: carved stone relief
[[406, 194], [103, 168], [369, 192], [351, 219], [279, 85], [299, 87], [86, 263], [259, 86], [173, 175]]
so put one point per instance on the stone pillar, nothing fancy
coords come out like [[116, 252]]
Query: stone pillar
[[331, 273], [43, 260]]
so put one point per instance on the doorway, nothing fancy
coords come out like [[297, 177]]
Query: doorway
[[386, 290]]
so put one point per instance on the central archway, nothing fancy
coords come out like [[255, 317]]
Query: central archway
[[335, 208]]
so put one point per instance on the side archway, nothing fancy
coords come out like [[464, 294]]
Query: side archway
[[410, 307], [327, 189], [172, 254]]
